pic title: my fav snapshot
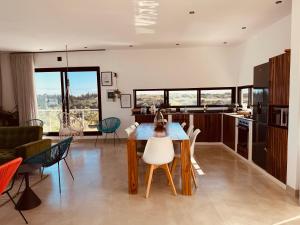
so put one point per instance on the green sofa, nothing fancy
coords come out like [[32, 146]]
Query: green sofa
[[21, 142]]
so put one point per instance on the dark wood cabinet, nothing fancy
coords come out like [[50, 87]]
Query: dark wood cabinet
[[144, 118], [277, 152], [180, 118], [210, 125], [280, 79], [229, 131]]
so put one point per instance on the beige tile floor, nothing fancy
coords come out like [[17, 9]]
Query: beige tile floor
[[230, 193]]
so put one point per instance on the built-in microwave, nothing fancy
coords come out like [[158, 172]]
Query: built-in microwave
[[279, 116]]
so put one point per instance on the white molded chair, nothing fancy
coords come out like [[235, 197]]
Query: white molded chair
[[159, 152], [192, 150], [129, 130], [136, 124], [183, 124], [190, 130]]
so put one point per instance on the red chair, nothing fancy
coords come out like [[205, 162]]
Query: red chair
[[7, 172]]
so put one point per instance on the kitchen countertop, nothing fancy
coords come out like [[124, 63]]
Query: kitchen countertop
[[238, 116]]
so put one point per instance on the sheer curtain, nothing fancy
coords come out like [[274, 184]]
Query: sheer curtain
[[22, 68]]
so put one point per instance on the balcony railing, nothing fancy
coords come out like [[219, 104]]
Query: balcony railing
[[89, 118]]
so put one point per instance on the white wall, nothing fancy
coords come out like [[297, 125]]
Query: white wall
[[294, 110], [152, 68], [257, 50]]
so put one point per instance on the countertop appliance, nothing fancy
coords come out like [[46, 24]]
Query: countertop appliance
[[243, 137], [260, 114]]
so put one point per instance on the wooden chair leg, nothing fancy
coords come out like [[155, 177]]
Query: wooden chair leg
[[167, 170], [149, 180], [194, 176], [174, 164], [147, 174]]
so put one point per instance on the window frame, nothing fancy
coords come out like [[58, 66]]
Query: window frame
[[65, 107], [250, 96], [167, 90]]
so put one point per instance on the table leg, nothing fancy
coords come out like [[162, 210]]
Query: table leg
[[132, 167], [186, 168], [28, 199]]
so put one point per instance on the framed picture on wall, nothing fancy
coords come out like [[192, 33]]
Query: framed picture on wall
[[106, 78], [125, 100], [110, 95]]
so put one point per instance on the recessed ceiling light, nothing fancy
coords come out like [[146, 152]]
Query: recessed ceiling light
[[177, 44], [278, 2], [85, 47], [244, 28], [225, 42], [130, 46], [192, 12], [41, 49]]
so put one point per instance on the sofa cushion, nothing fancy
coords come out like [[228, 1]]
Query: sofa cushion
[[7, 155], [11, 137]]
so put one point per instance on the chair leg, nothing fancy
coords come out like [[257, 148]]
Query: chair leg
[[15, 206], [114, 139], [167, 170], [21, 185], [96, 140], [149, 180], [59, 177], [118, 136], [193, 176], [174, 163], [105, 138], [147, 174], [42, 173], [69, 169]]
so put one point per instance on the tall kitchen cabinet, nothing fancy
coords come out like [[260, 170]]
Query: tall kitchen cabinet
[[279, 82]]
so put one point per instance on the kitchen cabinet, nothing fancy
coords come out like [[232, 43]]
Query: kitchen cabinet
[[277, 152], [180, 118], [229, 131], [210, 125], [280, 79], [144, 118]]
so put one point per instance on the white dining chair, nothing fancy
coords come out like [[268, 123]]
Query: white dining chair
[[192, 151], [140, 149], [183, 124], [190, 130], [136, 124], [159, 152], [165, 121]]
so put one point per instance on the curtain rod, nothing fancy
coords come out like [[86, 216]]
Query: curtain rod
[[86, 50]]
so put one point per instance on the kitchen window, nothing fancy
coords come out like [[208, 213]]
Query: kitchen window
[[245, 95], [217, 96], [149, 97], [182, 98]]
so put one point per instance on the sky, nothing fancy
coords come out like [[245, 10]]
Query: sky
[[80, 83]]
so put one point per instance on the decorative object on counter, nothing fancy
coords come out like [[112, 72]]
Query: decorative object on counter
[[125, 100], [159, 118], [153, 109], [106, 78], [110, 95]]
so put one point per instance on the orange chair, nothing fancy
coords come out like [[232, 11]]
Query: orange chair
[[7, 172]]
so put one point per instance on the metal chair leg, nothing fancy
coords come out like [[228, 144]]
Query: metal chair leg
[[15, 206], [69, 169], [96, 140], [59, 177], [118, 136], [20, 185], [42, 173], [114, 138], [105, 137]]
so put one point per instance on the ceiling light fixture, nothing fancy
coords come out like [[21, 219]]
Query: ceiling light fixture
[[41, 49], [278, 2], [85, 47], [225, 42], [130, 46], [244, 28], [177, 44], [191, 12]]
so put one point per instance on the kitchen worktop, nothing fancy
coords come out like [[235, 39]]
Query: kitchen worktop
[[236, 115]]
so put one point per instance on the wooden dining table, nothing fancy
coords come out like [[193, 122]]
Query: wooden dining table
[[142, 133]]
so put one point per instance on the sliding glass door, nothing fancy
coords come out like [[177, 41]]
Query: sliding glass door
[[73, 90]]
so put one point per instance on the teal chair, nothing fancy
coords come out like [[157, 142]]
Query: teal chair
[[109, 126]]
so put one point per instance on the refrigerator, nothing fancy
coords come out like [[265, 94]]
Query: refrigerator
[[260, 114]]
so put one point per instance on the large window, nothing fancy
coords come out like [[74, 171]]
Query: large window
[[194, 97], [149, 97], [245, 95], [183, 98], [217, 97], [75, 91]]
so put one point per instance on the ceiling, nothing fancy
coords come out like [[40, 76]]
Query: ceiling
[[32, 25]]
